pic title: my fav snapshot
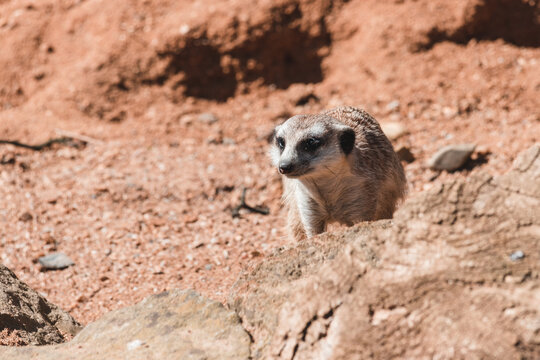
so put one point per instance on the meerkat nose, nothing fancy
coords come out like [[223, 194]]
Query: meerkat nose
[[285, 168]]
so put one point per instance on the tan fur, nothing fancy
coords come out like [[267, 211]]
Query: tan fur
[[364, 185]]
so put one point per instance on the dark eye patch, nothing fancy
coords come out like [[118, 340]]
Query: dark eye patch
[[280, 143], [311, 144]]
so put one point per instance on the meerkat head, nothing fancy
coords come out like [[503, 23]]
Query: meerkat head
[[310, 144]]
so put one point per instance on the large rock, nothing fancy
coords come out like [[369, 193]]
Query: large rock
[[172, 325], [437, 283], [27, 317]]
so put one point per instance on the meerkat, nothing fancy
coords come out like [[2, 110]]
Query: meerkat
[[337, 166]]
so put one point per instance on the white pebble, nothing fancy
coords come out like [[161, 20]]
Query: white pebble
[[132, 345]]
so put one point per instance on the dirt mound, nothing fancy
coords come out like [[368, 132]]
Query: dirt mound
[[183, 55], [455, 275], [516, 22], [281, 49]]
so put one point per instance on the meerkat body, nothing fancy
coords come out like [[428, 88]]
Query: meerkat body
[[338, 166]]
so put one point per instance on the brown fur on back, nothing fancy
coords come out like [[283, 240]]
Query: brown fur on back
[[376, 155]]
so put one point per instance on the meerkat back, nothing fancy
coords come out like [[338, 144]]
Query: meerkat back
[[375, 155]]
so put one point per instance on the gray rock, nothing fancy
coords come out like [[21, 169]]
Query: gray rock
[[207, 118], [428, 282], [171, 325], [55, 261], [518, 255], [451, 157], [228, 141], [392, 106], [35, 320]]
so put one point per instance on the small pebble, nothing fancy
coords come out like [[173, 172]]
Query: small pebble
[[451, 157], [55, 261], [132, 345], [392, 106], [197, 244], [26, 217], [184, 29], [449, 112], [393, 130], [207, 118], [208, 267], [518, 255], [404, 154], [228, 141]]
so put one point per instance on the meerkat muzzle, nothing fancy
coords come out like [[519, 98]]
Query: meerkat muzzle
[[285, 168]]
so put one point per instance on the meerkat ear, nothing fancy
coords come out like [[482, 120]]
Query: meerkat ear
[[346, 140], [270, 138]]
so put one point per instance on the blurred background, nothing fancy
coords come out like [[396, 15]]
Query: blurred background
[[169, 105]]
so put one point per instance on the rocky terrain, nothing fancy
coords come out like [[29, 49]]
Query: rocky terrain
[[163, 110], [454, 275]]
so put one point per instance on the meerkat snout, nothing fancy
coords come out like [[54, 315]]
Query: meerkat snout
[[285, 168], [337, 166]]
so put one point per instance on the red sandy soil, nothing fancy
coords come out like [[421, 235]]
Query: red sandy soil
[[146, 204]]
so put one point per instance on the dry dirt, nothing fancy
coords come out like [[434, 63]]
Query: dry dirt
[[145, 205]]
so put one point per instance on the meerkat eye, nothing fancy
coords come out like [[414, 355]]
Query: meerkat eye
[[312, 144], [280, 143]]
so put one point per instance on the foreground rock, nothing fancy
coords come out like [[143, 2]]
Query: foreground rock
[[27, 318], [171, 325], [437, 283]]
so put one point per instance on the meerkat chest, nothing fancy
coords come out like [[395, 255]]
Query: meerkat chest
[[344, 199]]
